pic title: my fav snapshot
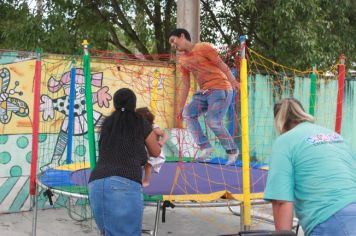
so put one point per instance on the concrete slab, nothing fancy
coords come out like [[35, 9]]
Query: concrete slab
[[179, 221]]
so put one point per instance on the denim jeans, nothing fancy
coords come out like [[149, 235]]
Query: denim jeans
[[342, 223], [117, 205], [214, 103]]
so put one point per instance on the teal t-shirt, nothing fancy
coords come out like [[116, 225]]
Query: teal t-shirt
[[312, 167]]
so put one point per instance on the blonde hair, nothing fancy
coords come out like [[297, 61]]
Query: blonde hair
[[287, 112]]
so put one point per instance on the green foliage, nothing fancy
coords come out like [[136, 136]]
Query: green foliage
[[293, 33], [136, 26], [18, 27]]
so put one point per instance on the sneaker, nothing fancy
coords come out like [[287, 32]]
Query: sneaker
[[231, 158], [205, 154]]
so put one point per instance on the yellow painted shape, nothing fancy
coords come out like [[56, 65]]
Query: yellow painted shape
[[154, 92], [3, 104], [74, 166], [134, 75]]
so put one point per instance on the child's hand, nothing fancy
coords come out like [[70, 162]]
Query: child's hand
[[160, 143]]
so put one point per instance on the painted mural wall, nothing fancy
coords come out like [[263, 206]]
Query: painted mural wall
[[154, 85]]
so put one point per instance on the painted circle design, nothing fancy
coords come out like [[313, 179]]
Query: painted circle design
[[16, 171], [29, 157], [5, 157], [42, 138], [80, 150], [3, 139], [22, 142]]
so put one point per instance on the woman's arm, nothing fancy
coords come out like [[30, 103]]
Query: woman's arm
[[282, 214], [152, 145]]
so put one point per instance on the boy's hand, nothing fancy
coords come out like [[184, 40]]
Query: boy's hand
[[180, 115], [235, 85]]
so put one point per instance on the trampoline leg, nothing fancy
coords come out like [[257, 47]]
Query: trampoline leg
[[243, 227], [241, 217], [34, 208], [155, 229], [158, 211]]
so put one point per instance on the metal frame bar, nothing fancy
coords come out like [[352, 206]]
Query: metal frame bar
[[159, 205]]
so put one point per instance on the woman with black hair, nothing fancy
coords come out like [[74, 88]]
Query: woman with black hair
[[115, 191]]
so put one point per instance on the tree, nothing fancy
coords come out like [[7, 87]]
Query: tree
[[295, 33], [145, 24], [19, 28]]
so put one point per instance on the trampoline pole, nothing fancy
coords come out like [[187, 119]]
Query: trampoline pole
[[243, 227], [158, 211], [34, 209], [241, 216]]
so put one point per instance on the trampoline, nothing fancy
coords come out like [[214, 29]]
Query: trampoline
[[177, 181], [185, 184]]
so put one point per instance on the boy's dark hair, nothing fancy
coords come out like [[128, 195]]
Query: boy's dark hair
[[146, 113], [179, 31]]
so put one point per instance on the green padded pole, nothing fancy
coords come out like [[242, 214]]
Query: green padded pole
[[89, 105], [312, 101]]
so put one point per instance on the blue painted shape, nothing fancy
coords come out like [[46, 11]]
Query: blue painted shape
[[56, 178]]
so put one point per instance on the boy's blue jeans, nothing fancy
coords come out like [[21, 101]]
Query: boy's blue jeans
[[117, 204], [342, 223], [214, 103]]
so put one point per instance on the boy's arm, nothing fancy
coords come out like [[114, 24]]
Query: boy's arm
[[214, 57], [184, 92], [224, 68]]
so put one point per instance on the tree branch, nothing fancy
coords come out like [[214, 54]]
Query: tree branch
[[260, 41], [167, 24], [237, 22], [206, 6], [158, 27], [114, 39], [143, 4], [156, 19], [126, 26]]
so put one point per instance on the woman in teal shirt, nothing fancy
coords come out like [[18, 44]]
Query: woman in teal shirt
[[312, 170]]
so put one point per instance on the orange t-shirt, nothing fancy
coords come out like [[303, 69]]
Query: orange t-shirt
[[202, 62]]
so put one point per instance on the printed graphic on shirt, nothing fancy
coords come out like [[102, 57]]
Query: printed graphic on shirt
[[325, 138]]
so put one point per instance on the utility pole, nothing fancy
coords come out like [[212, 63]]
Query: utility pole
[[188, 17]]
